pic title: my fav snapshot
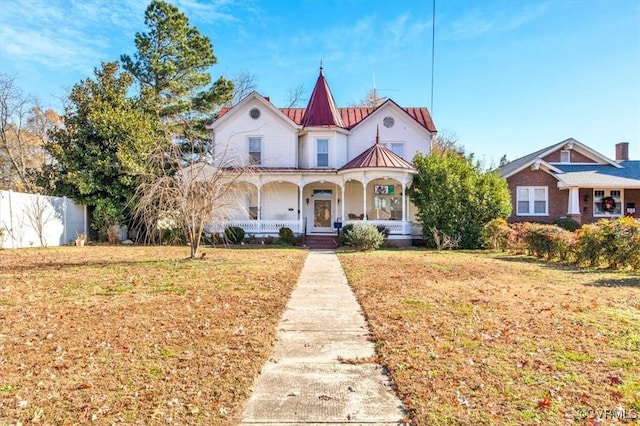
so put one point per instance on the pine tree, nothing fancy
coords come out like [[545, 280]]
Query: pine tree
[[171, 66]]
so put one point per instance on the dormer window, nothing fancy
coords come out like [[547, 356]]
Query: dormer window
[[565, 156]]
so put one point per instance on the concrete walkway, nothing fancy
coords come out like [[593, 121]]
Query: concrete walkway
[[304, 383]]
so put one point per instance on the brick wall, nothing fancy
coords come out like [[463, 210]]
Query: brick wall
[[586, 207], [558, 200], [575, 157], [632, 196]]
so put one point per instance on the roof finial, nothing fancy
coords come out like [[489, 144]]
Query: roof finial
[[321, 73], [377, 134]]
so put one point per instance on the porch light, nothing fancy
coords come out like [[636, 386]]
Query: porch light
[[338, 200], [307, 201]]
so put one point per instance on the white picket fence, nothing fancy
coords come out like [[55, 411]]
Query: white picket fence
[[33, 220]]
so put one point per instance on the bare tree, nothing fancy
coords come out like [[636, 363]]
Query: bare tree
[[23, 131], [446, 141], [188, 196], [372, 100], [40, 213], [295, 96], [243, 84]]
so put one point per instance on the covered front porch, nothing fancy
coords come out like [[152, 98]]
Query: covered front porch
[[308, 202], [590, 204]]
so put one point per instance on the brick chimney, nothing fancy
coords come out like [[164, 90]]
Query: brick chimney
[[622, 151]]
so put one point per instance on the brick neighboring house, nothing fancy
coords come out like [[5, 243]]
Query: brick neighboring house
[[571, 180]]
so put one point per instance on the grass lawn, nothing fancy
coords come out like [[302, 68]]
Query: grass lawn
[[136, 335], [476, 339]]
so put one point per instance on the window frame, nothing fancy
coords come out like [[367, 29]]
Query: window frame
[[567, 152], [391, 145], [318, 153], [532, 200], [607, 192], [252, 161], [397, 144]]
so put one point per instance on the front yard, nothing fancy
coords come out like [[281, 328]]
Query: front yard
[[473, 338], [136, 335], [139, 335]]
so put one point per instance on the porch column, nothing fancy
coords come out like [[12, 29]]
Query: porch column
[[342, 203], [301, 225], [574, 204], [364, 200], [259, 213], [404, 203]]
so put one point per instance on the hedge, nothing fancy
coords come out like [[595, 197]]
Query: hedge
[[607, 243]]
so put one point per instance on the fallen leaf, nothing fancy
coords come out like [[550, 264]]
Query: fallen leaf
[[545, 402]]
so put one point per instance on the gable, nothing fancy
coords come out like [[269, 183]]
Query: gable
[[254, 130], [253, 100], [551, 155]]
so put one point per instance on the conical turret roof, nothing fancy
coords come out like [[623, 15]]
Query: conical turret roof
[[322, 110]]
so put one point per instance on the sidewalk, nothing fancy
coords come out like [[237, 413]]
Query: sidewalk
[[303, 383]]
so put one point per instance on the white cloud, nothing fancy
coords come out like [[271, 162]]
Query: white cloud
[[74, 35]]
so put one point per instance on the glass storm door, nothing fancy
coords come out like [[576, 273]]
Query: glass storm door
[[322, 216]]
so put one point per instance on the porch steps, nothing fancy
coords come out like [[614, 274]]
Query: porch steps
[[321, 241]]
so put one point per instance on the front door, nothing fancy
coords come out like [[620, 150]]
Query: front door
[[322, 216]]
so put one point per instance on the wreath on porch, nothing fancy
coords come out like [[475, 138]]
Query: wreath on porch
[[608, 204]]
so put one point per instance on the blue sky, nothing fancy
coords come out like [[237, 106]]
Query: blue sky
[[510, 77]]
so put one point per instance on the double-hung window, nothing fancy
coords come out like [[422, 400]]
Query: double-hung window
[[532, 201], [322, 146], [255, 150]]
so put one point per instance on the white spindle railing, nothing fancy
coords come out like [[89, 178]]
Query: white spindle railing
[[258, 227]]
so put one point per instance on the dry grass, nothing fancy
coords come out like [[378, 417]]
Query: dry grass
[[136, 335], [475, 338]]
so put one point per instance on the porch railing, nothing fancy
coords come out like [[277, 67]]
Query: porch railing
[[257, 226], [265, 227]]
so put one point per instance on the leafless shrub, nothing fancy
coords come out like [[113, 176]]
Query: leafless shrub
[[187, 195], [39, 213], [444, 241]]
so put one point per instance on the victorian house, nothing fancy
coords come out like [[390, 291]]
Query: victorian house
[[323, 166]]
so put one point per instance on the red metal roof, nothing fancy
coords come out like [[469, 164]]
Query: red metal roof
[[354, 115], [321, 109], [378, 156]]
